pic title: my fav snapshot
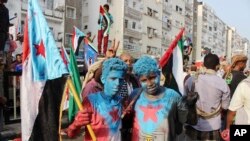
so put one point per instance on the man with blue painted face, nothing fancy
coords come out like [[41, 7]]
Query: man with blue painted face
[[158, 109], [103, 110]]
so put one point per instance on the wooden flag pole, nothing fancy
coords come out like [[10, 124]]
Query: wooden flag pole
[[79, 104]]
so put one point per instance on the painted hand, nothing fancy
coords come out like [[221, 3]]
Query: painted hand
[[225, 135], [82, 118], [111, 52]]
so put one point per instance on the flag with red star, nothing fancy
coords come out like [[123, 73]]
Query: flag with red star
[[42, 79]]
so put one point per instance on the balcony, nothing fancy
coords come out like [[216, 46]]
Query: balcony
[[47, 12], [132, 13], [132, 49], [132, 33]]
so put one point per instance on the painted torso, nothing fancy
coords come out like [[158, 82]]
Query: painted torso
[[152, 117], [105, 120]]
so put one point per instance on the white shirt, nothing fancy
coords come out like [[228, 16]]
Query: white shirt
[[241, 99]]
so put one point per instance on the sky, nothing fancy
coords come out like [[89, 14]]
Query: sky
[[235, 13]]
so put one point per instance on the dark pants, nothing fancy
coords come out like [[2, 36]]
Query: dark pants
[[3, 39], [105, 42]]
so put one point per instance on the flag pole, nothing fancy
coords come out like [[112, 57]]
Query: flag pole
[[79, 104]]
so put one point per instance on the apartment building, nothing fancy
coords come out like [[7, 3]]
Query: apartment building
[[72, 17], [61, 16], [18, 11], [152, 28], [176, 14], [141, 26]]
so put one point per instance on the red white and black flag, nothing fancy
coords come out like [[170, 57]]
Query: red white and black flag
[[42, 79]]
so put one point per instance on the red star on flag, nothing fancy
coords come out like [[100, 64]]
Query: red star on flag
[[150, 112], [114, 115], [40, 49]]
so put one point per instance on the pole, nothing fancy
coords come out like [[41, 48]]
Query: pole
[[78, 102]]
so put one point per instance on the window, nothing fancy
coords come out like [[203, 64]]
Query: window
[[155, 14], [126, 23], [150, 12], [68, 37], [150, 32], [178, 9], [71, 12], [22, 27], [134, 4], [133, 25], [210, 28], [86, 27], [49, 4]]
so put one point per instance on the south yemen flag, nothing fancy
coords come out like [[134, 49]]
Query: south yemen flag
[[42, 80], [172, 64], [77, 38], [104, 14], [90, 55]]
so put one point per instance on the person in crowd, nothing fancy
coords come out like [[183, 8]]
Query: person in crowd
[[236, 74], [19, 42], [103, 26], [89, 37], [92, 82], [94, 85], [157, 110], [222, 70], [240, 100], [214, 98], [131, 81], [17, 64], [103, 109], [4, 26]]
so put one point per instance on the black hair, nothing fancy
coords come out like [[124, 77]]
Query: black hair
[[211, 61], [106, 6]]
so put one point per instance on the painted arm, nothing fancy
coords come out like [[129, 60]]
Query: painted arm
[[230, 118], [82, 118]]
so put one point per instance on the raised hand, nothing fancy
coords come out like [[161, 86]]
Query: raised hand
[[111, 52]]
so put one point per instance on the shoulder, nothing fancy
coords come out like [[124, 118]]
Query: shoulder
[[94, 97], [171, 93]]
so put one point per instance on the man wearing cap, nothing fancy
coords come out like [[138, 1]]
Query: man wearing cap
[[238, 65]]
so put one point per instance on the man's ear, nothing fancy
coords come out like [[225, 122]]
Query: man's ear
[[103, 80]]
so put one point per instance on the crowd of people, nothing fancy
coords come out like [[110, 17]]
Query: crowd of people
[[123, 99], [126, 100]]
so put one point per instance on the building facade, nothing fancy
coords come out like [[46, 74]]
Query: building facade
[[141, 26]]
